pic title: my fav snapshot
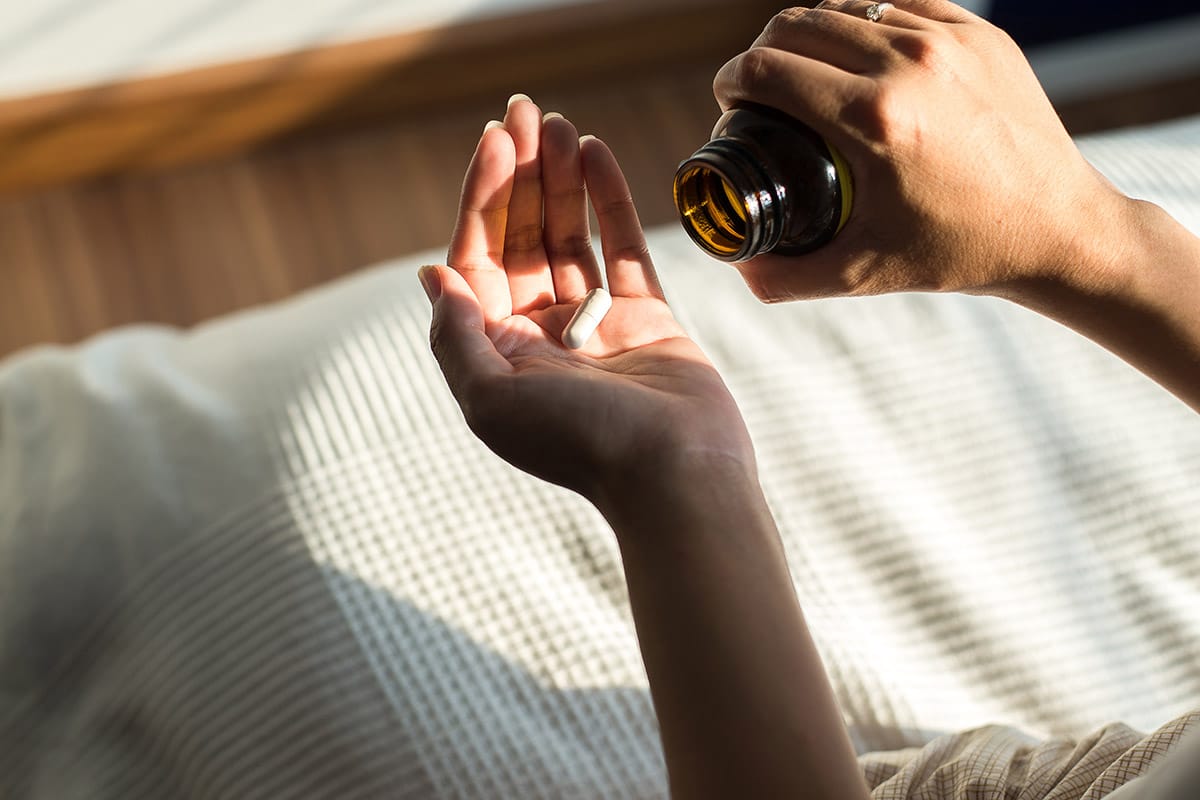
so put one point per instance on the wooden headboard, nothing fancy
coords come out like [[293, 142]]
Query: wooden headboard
[[157, 122]]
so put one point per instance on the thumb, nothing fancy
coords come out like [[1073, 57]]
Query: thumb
[[458, 335]]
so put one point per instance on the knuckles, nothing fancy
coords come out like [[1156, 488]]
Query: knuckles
[[880, 115], [523, 238], [931, 51], [779, 25], [638, 252], [751, 70], [574, 248], [780, 31]]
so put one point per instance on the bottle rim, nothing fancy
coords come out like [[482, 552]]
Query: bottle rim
[[724, 176]]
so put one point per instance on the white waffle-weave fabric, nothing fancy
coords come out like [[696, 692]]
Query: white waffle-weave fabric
[[266, 558]]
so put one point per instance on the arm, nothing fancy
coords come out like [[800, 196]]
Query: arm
[[1135, 292], [965, 180], [640, 423], [743, 702]]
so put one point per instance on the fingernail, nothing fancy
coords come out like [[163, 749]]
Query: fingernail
[[585, 137], [518, 97], [492, 125], [431, 282], [549, 115]]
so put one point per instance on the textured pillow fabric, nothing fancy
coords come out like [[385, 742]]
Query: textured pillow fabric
[[267, 558]]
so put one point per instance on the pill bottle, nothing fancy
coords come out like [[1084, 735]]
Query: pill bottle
[[765, 183]]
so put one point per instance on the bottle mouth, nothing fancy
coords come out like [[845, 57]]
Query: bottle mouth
[[713, 213], [726, 203]]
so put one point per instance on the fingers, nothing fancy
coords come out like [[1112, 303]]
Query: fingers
[[894, 15], [626, 257], [814, 62], [566, 237], [938, 10], [850, 43], [529, 278], [522, 242], [477, 245], [808, 89], [777, 279], [458, 335]]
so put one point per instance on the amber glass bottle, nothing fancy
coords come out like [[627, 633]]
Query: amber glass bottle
[[765, 183]]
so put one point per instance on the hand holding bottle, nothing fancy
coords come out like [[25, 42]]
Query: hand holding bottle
[[964, 177], [965, 180]]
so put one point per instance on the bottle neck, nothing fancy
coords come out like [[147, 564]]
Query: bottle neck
[[735, 171]]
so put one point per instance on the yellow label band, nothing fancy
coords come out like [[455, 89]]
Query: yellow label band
[[846, 181]]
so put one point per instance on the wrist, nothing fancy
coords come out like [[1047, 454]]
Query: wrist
[[1126, 253], [679, 486], [1134, 289], [1092, 253]]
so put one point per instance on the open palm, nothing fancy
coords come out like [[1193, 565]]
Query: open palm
[[640, 394]]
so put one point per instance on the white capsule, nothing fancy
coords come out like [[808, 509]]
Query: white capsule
[[587, 319]]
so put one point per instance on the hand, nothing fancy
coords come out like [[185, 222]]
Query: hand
[[640, 398], [965, 179]]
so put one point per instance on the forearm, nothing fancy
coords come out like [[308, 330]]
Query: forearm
[[744, 705], [1132, 286]]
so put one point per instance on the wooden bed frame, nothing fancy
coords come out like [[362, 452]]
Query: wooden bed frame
[[166, 121]]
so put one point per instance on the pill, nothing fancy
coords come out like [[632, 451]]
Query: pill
[[587, 318]]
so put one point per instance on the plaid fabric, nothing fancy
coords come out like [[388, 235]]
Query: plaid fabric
[[997, 763]]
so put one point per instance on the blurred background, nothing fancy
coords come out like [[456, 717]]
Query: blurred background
[[169, 162]]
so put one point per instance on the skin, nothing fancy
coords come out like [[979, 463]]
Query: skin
[[640, 423], [965, 181]]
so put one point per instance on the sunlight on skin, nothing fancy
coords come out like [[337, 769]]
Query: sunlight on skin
[[514, 167], [633, 322], [519, 265], [640, 423]]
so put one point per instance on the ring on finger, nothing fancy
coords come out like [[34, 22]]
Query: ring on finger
[[875, 11]]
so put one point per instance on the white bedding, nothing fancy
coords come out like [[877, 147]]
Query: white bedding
[[266, 557]]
